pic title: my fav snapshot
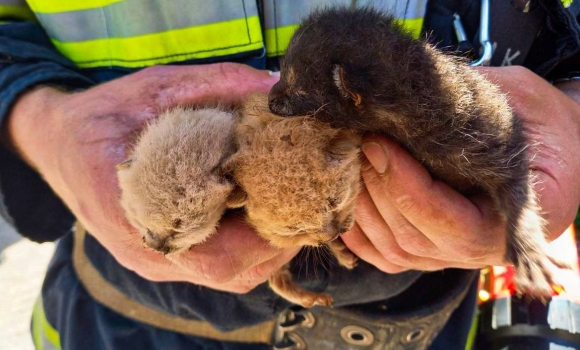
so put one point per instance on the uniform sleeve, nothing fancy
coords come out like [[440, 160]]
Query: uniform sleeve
[[27, 59]]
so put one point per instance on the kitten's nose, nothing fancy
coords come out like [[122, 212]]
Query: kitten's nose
[[278, 101], [157, 243], [279, 105], [332, 230]]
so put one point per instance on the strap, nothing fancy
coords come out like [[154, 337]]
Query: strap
[[378, 326], [106, 294]]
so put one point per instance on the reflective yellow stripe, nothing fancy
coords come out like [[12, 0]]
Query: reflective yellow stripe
[[216, 39], [16, 12], [567, 3], [472, 331], [37, 326], [45, 337], [413, 25], [67, 5], [277, 39]]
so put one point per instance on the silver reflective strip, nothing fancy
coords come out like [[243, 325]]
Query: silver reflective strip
[[13, 3], [137, 17], [406, 9], [280, 13], [47, 345]]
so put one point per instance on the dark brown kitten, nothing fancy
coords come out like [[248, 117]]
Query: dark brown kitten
[[359, 69]]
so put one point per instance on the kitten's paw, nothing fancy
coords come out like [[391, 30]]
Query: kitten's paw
[[283, 285], [536, 274], [343, 255], [313, 299], [308, 299], [347, 260]]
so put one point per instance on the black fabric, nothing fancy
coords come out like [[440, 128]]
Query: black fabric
[[27, 59], [516, 32], [37, 212], [438, 23], [363, 285], [84, 324], [557, 40]]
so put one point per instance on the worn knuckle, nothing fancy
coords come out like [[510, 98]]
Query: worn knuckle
[[414, 244], [397, 256], [407, 204], [476, 251]]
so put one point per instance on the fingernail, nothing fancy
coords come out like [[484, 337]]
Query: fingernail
[[274, 74], [376, 155]]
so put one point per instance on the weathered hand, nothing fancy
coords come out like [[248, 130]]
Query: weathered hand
[[76, 140], [407, 220]]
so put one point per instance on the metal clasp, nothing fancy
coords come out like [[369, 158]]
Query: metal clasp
[[288, 322], [486, 46]]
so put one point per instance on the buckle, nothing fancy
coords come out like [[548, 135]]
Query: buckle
[[324, 328], [285, 337]]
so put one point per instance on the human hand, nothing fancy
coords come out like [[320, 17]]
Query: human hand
[[75, 141], [407, 220]]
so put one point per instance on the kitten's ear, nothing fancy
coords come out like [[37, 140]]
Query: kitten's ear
[[341, 79], [345, 145], [237, 198], [125, 164]]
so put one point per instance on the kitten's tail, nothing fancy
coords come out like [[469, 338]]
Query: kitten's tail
[[535, 270]]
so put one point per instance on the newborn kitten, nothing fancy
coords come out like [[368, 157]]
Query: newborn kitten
[[301, 178], [358, 69], [173, 186]]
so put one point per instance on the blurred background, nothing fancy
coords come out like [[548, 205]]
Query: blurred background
[[22, 267]]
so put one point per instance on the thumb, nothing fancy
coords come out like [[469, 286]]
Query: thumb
[[395, 179]]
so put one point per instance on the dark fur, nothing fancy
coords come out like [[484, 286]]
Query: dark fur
[[358, 69]]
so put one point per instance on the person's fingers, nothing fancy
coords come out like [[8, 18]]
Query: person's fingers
[[434, 219], [372, 240], [379, 230], [232, 253], [359, 244]]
